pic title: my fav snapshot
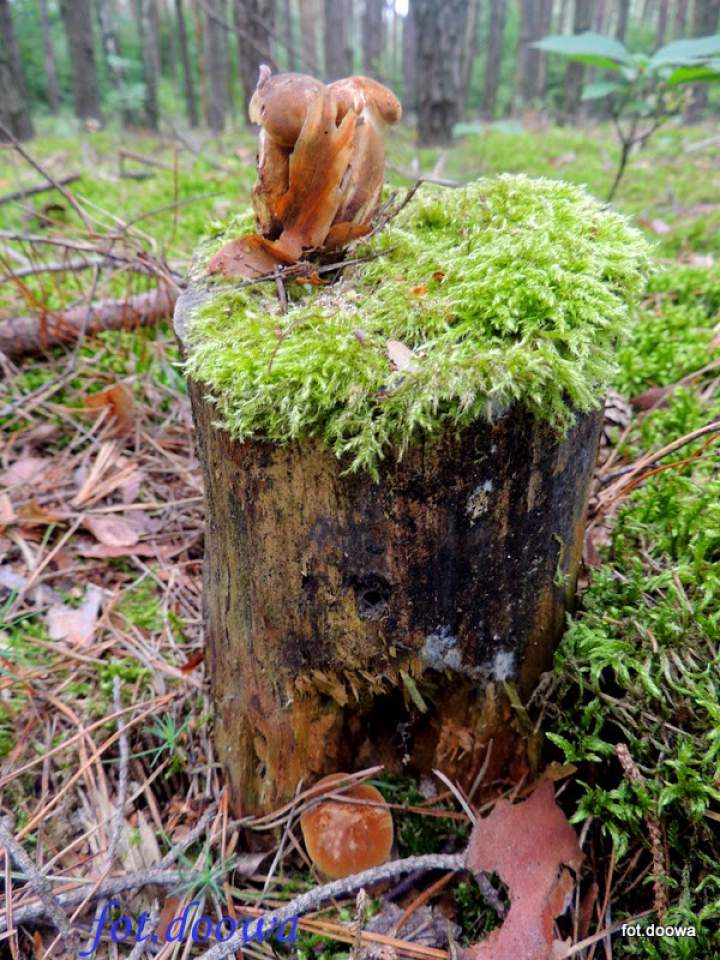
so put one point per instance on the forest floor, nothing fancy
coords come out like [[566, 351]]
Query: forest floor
[[104, 701]]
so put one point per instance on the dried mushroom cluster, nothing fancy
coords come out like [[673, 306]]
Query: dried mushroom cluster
[[320, 168]]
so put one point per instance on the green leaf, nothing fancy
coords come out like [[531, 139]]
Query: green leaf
[[587, 47], [708, 73], [595, 91], [686, 51]]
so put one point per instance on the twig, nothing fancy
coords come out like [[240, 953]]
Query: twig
[[39, 188], [51, 905]]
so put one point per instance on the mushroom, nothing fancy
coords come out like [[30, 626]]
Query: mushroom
[[346, 838]]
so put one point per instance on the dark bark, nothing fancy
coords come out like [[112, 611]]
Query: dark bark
[[494, 58], [373, 38], [469, 52], [168, 53], [53, 90], [188, 85], [622, 21], [680, 19], [535, 23], [14, 101], [106, 17], [662, 22], [253, 26], [440, 35], [705, 23], [340, 611], [309, 18], [216, 64], [149, 41], [409, 54], [77, 20], [575, 72], [337, 39]]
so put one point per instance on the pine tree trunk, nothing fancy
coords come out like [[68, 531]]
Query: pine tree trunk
[[469, 52], [662, 23], [216, 65], [535, 20], [373, 38], [14, 101], [622, 22], [111, 52], [494, 59], [53, 90], [680, 20], [77, 20], [253, 22], [409, 55], [350, 623], [336, 36], [289, 38], [575, 72], [440, 34], [188, 86], [705, 23], [148, 31], [309, 16]]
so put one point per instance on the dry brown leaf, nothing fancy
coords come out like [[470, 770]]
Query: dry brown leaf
[[247, 257], [652, 398], [529, 845], [113, 531], [401, 357], [7, 512], [103, 551], [22, 471], [119, 400], [31, 514], [75, 625]]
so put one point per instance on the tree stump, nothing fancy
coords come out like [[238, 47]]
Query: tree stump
[[395, 614], [350, 622]]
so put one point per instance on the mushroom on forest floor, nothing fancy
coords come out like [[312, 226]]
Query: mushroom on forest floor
[[344, 838]]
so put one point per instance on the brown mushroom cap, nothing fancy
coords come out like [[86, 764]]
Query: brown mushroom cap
[[346, 838], [280, 103]]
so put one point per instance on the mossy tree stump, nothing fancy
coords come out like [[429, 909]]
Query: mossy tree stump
[[376, 616]]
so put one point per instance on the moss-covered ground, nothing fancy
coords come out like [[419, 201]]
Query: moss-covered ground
[[639, 665]]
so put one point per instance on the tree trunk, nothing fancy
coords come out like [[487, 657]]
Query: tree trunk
[[575, 72], [53, 90], [705, 23], [535, 22], [216, 65], [409, 54], [14, 101], [338, 46], [680, 20], [253, 23], [662, 23], [148, 30], [77, 21], [494, 59], [373, 38], [188, 86], [106, 17], [351, 623], [309, 17], [440, 34], [289, 36], [469, 53], [622, 22], [168, 53]]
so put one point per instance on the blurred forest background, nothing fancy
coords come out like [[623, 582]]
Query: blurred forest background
[[148, 64]]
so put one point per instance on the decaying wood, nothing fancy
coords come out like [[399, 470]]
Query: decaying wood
[[20, 336], [350, 622]]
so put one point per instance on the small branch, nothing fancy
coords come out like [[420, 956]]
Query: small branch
[[40, 885], [39, 188]]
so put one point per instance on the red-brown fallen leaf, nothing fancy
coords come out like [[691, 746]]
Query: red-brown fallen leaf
[[652, 398], [419, 291], [195, 660], [75, 625], [247, 257], [159, 551], [529, 845], [112, 531], [31, 514], [119, 400]]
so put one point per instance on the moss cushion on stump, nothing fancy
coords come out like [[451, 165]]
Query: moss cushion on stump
[[396, 470]]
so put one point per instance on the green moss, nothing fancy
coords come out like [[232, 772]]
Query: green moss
[[508, 290]]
